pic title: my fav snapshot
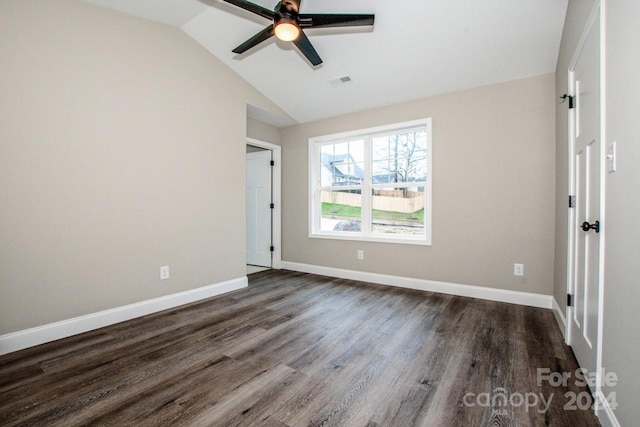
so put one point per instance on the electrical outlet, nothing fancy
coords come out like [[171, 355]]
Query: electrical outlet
[[360, 254], [164, 272], [518, 270]]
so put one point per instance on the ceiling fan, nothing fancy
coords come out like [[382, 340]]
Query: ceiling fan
[[288, 24]]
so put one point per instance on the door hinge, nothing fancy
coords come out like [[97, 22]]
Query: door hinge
[[272, 163], [272, 205], [570, 98], [572, 201], [569, 300], [272, 248]]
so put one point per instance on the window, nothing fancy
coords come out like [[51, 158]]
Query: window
[[373, 184]]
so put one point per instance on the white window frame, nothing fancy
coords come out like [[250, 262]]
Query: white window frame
[[315, 185]]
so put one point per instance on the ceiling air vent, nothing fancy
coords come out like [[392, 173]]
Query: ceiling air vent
[[341, 81]]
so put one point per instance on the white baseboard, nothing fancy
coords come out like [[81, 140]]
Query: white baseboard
[[480, 292], [605, 415], [560, 317], [53, 331]]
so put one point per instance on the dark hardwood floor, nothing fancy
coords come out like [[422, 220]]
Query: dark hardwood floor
[[303, 350]]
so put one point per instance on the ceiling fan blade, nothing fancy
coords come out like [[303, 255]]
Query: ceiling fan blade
[[252, 7], [255, 40], [305, 46], [322, 20]]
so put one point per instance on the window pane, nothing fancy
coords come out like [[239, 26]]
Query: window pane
[[398, 211], [380, 172], [356, 150], [406, 154], [327, 158], [341, 164], [341, 210]]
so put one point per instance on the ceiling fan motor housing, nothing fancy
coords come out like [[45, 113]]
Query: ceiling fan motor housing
[[288, 7], [287, 13]]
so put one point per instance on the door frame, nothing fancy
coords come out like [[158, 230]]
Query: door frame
[[276, 197], [597, 16]]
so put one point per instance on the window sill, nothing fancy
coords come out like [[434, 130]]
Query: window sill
[[420, 241]]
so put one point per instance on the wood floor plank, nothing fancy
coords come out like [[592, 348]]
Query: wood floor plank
[[250, 404], [297, 349], [415, 376], [108, 362], [402, 337]]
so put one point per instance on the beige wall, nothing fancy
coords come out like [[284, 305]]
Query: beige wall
[[493, 189], [621, 341], [122, 147], [263, 131]]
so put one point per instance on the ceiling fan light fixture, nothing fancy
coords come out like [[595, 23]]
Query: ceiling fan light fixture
[[287, 23], [287, 30]]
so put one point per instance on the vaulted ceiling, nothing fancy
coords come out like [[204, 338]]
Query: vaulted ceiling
[[417, 48]]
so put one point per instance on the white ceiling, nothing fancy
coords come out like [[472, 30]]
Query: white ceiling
[[417, 48]]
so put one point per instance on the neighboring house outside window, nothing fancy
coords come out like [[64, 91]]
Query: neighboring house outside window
[[372, 184]]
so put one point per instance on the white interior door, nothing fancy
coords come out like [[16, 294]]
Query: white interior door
[[587, 181], [259, 208]]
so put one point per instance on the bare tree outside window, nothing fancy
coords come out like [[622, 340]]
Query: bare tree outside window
[[400, 157]]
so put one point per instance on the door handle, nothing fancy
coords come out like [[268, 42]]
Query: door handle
[[595, 226]]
